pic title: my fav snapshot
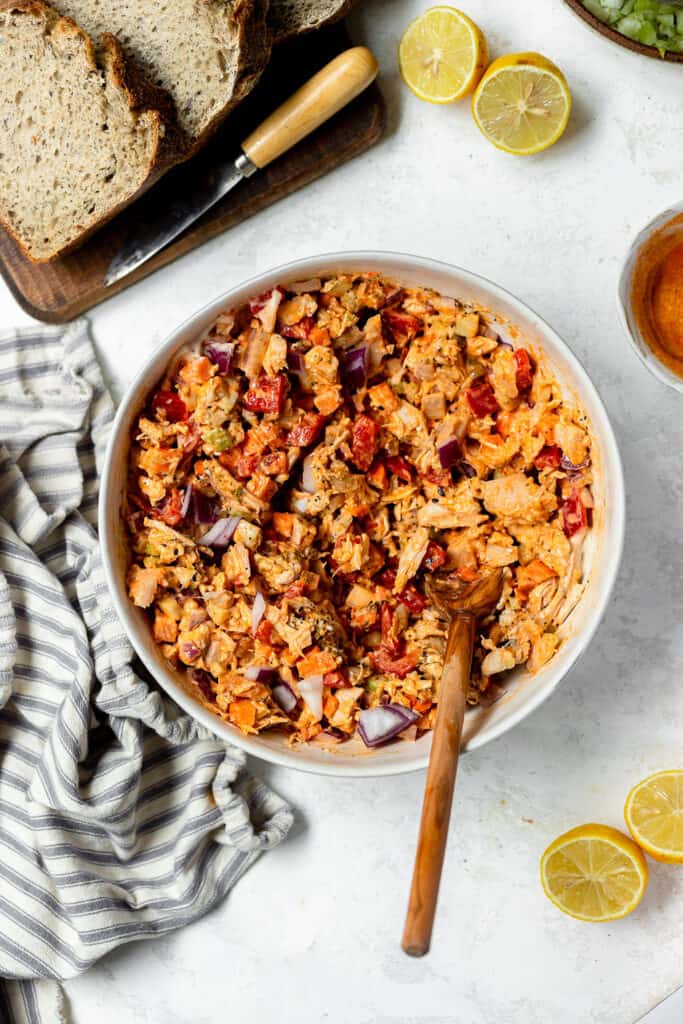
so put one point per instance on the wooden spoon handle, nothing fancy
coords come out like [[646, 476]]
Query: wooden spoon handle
[[443, 765]]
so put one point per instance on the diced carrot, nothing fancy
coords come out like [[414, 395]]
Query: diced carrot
[[467, 574], [196, 371], [493, 440], [330, 705], [319, 336], [328, 402], [504, 423], [165, 628], [315, 663], [377, 476], [283, 523], [382, 396], [242, 712], [529, 576], [422, 706]]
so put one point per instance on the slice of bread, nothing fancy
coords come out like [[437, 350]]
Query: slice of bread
[[80, 137], [289, 18], [206, 54]]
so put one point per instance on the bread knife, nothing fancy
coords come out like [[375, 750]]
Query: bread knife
[[315, 102]]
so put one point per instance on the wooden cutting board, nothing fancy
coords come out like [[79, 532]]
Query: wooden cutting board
[[57, 292]]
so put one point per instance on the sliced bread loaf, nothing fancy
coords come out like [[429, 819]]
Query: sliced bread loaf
[[289, 18], [207, 54], [79, 137]]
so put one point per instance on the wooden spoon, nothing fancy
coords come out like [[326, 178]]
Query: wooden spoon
[[466, 603]]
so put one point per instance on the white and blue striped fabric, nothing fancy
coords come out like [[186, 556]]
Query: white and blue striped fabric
[[120, 817]]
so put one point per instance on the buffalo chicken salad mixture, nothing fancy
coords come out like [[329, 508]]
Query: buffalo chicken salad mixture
[[299, 473]]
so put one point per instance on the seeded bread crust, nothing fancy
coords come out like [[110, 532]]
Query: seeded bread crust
[[291, 18], [150, 123]]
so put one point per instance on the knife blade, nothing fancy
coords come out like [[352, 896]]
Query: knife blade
[[669, 1011], [315, 102]]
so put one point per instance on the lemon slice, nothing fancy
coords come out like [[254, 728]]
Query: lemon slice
[[522, 103], [442, 55], [594, 873], [654, 815]]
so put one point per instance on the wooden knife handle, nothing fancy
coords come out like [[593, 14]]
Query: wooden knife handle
[[327, 92], [443, 764]]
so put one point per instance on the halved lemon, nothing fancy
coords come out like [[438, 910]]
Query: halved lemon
[[594, 873], [654, 815], [522, 104], [442, 55]]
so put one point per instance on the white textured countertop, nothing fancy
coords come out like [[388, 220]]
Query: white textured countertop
[[312, 933]]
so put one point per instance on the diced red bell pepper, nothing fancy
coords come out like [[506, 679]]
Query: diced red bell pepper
[[400, 467], [391, 642], [171, 404], [300, 330], [414, 601], [524, 376], [383, 661], [266, 394], [242, 464], [364, 437], [296, 589], [440, 478], [386, 578], [306, 431], [481, 399], [170, 508], [401, 326], [574, 515], [264, 631], [335, 679], [434, 558], [549, 457]]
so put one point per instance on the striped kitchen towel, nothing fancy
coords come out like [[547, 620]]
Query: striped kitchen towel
[[120, 817]]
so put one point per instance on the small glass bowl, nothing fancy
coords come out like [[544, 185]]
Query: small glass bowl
[[628, 318]]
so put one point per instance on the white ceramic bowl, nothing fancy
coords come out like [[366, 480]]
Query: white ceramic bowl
[[628, 320], [525, 692]]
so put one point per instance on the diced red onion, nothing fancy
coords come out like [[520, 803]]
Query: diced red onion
[[307, 478], [189, 652], [449, 453], [355, 367], [295, 362], [284, 696], [220, 353], [266, 309], [311, 689], [300, 505], [258, 610], [382, 723], [505, 344], [202, 681], [490, 332], [571, 468], [204, 510], [187, 498], [260, 673], [220, 534], [334, 733], [466, 469], [313, 284]]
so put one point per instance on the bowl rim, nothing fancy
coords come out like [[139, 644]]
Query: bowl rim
[[363, 767], [624, 309], [621, 40]]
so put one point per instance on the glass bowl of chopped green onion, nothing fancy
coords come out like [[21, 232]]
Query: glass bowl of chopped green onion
[[650, 27]]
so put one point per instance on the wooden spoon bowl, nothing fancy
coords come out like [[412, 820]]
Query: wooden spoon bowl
[[616, 37]]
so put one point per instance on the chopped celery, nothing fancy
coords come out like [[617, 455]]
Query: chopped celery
[[646, 21]]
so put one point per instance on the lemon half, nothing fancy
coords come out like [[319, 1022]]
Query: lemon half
[[442, 55], [654, 815], [594, 873], [522, 104]]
